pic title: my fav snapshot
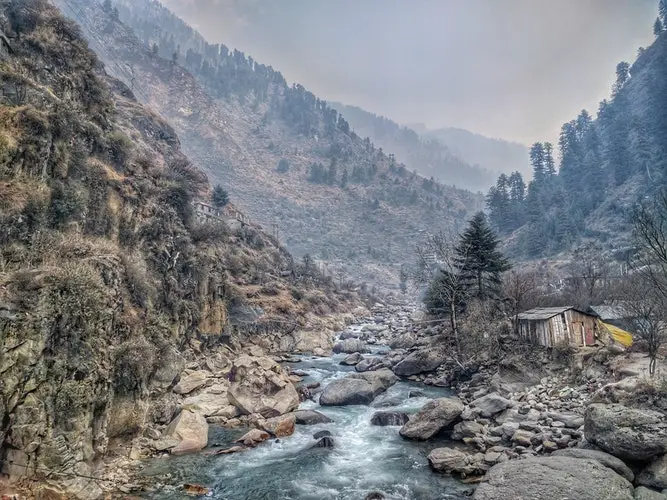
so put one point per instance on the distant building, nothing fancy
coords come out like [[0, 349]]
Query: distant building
[[553, 326], [228, 214]]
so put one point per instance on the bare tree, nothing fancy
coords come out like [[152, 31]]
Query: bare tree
[[519, 289], [589, 275], [438, 267], [648, 308], [340, 276]]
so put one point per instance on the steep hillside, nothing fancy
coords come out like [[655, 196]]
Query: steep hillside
[[607, 164], [109, 282], [428, 155], [496, 155], [335, 196]]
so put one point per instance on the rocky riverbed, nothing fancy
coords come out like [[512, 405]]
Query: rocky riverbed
[[388, 414]]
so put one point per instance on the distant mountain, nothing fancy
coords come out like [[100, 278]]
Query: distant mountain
[[502, 157], [429, 156], [290, 161]]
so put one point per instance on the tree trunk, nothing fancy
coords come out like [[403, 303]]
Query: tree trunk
[[455, 326]]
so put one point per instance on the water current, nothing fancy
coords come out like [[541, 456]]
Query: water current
[[365, 458]]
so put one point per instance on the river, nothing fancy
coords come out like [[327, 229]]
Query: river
[[365, 458]]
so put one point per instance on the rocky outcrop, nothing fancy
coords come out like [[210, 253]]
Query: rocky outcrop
[[191, 381], [435, 416], [190, 430], [551, 478], [644, 493], [259, 385], [627, 433], [420, 361]]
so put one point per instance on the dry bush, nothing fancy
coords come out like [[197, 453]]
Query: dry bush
[[138, 281], [134, 362]]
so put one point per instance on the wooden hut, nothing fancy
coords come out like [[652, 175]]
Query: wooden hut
[[552, 326]]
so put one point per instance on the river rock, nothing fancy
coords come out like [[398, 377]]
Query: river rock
[[260, 385], [191, 430], [491, 404], [324, 442], [450, 460], [349, 334], [420, 361], [191, 381], [571, 421], [310, 417], [644, 493], [350, 346], [434, 416], [416, 394], [655, 474], [627, 433], [357, 388], [547, 478], [281, 426], [467, 428], [321, 434], [605, 459], [253, 437], [385, 418], [352, 359], [369, 364]]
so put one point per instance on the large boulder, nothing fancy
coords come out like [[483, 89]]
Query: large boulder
[[369, 364], [253, 437], [489, 405], [260, 385], [190, 430], [213, 402], [467, 428], [350, 346], [434, 416], [548, 478], [191, 381], [281, 426], [627, 433], [450, 460], [655, 474], [420, 361], [357, 388], [311, 417], [605, 459]]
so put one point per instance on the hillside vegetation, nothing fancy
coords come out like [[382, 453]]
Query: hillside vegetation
[[608, 163], [284, 155], [107, 278]]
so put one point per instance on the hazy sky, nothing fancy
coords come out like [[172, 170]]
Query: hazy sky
[[515, 69]]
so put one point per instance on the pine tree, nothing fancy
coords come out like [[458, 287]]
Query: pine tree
[[343, 179], [220, 196], [537, 161], [657, 27], [549, 163], [662, 11], [479, 261]]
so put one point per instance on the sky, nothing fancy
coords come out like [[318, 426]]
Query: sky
[[511, 69]]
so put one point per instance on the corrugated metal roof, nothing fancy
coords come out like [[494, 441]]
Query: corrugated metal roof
[[543, 312]]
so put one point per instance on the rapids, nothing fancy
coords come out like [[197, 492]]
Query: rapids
[[365, 458]]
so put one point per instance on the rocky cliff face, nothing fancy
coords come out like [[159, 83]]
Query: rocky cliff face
[[365, 225], [110, 287]]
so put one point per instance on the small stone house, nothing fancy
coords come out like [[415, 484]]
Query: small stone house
[[553, 326]]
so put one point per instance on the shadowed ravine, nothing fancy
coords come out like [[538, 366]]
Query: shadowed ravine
[[365, 458]]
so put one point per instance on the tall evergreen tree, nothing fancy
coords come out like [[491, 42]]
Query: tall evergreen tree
[[220, 197], [549, 163], [479, 261], [537, 161], [657, 27]]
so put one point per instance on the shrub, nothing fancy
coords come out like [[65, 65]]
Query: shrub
[[133, 365], [67, 204], [138, 282], [119, 148], [220, 197], [71, 399]]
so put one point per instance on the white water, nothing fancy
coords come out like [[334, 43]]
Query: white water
[[365, 458]]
